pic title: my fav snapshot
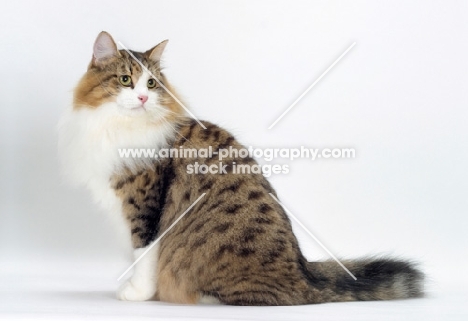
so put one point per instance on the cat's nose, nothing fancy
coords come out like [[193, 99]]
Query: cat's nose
[[143, 98]]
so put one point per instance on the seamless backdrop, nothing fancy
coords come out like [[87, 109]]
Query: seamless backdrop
[[399, 97]]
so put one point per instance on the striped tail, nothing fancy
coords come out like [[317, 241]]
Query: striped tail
[[377, 279]]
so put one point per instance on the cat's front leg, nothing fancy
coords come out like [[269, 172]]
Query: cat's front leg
[[142, 285], [141, 208]]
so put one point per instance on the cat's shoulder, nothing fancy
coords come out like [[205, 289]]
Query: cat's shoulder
[[193, 133]]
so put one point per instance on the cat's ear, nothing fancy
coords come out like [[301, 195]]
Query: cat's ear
[[104, 48], [155, 53]]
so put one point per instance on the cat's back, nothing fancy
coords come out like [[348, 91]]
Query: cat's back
[[237, 238]]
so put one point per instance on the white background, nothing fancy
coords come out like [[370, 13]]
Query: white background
[[399, 97]]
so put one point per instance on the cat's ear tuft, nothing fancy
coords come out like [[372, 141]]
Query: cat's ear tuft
[[155, 53], [104, 48]]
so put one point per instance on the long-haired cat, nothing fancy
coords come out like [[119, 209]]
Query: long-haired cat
[[236, 245]]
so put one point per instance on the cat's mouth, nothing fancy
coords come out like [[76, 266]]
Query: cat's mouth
[[138, 108]]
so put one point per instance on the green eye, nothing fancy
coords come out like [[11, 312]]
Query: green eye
[[151, 83], [125, 80]]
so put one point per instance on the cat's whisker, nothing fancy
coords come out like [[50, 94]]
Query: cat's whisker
[[165, 110], [165, 120]]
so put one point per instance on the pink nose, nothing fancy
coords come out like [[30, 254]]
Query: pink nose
[[143, 98]]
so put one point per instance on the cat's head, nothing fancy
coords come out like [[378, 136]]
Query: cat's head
[[114, 79]]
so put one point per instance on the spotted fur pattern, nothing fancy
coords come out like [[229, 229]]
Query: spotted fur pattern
[[236, 245]]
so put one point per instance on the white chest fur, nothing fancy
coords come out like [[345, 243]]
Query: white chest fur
[[89, 143]]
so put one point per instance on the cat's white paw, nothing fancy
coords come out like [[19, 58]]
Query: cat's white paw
[[129, 292], [206, 299]]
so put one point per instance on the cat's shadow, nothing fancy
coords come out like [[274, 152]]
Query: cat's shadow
[[93, 295], [88, 295]]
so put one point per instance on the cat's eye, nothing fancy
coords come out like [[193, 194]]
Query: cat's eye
[[151, 83], [125, 80]]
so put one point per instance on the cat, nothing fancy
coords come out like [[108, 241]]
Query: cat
[[236, 245]]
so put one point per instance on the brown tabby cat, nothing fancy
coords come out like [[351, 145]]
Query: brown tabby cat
[[236, 245]]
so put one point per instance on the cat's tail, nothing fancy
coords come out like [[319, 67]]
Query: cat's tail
[[376, 279]]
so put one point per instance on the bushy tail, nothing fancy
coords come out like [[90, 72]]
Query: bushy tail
[[377, 279]]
